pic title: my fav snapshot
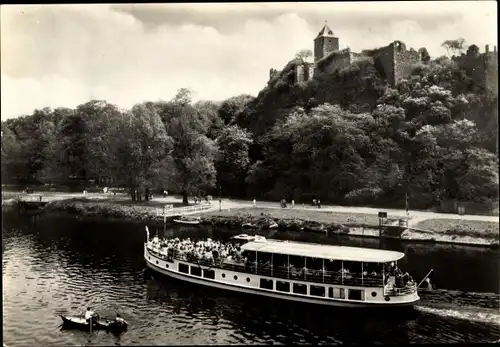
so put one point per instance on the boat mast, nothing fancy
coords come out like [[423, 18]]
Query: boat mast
[[323, 270], [272, 264], [362, 283], [305, 268], [342, 272], [383, 275], [288, 267], [256, 263]]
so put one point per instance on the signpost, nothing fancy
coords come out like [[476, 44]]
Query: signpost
[[381, 216]]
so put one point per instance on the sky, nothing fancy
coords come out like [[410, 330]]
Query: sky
[[65, 55]]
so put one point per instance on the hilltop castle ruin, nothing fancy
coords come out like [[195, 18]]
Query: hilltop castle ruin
[[393, 61]]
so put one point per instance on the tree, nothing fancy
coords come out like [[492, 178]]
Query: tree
[[99, 140], [304, 54], [454, 46], [11, 155], [232, 108], [70, 159], [233, 160], [193, 152], [143, 147], [209, 113]]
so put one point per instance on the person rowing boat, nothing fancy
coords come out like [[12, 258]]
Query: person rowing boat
[[119, 319], [89, 314]]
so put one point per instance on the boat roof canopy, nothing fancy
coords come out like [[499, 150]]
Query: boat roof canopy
[[356, 254]]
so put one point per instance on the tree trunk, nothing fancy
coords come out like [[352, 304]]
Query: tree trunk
[[185, 198], [146, 194]]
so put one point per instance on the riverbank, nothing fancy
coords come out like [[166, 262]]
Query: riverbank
[[471, 230]]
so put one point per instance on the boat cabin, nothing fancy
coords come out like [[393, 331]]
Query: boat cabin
[[324, 263]]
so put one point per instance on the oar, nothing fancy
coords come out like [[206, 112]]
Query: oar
[[425, 278], [91, 325]]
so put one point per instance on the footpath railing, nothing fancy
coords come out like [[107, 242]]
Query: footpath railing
[[170, 211]]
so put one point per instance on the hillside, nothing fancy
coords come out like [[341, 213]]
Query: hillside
[[356, 88]]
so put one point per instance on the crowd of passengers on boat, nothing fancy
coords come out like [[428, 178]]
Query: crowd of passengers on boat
[[221, 254]]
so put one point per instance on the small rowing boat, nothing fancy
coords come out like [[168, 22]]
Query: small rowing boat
[[188, 221], [75, 322]]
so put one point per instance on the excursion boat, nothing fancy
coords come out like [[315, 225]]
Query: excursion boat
[[330, 275]]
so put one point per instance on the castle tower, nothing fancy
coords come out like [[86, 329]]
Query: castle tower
[[325, 43]]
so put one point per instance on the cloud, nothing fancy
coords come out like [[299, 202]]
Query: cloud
[[63, 55]]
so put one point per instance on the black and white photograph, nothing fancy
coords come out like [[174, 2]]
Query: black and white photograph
[[250, 173]]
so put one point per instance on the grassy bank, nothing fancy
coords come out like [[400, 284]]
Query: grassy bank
[[104, 208], [324, 217]]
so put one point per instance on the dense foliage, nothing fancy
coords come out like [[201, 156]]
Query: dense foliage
[[344, 138]]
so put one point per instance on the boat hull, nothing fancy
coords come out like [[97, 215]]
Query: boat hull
[[246, 283], [70, 322]]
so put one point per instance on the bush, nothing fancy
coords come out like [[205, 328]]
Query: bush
[[363, 196]]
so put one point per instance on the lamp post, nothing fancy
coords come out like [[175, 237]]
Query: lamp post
[[220, 198]]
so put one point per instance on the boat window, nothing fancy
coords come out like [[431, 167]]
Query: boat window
[[280, 265], [317, 291], [352, 273], [372, 274], [209, 274], [283, 286], [352, 267], [264, 263], [300, 288], [250, 255], [297, 267], [314, 269], [337, 293], [356, 294], [333, 271], [183, 268], [196, 271], [266, 284]]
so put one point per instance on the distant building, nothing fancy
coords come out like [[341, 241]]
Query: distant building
[[394, 61]]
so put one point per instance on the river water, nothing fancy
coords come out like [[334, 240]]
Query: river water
[[60, 265]]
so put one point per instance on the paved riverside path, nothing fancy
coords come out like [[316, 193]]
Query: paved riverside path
[[416, 216]]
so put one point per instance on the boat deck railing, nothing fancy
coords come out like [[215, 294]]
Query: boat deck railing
[[317, 276], [400, 291]]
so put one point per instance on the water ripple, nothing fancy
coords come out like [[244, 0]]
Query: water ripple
[[56, 268]]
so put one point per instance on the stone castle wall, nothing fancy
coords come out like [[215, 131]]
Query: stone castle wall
[[482, 68], [394, 62], [334, 61], [404, 62]]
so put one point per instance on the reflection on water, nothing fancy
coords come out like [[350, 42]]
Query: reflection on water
[[55, 266]]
